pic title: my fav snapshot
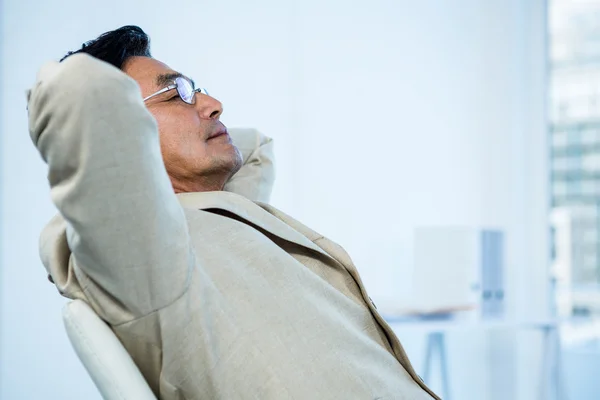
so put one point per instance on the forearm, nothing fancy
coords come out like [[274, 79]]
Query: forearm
[[125, 225]]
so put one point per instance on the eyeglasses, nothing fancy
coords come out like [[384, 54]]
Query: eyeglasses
[[185, 90]]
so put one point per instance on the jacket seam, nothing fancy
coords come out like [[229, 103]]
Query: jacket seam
[[155, 310], [176, 299]]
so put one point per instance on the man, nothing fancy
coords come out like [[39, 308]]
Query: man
[[214, 296]]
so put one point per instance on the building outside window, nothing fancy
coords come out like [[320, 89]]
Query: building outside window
[[574, 29]]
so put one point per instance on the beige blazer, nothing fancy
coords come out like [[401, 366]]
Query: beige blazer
[[215, 296]]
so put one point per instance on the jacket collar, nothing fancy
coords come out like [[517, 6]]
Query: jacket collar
[[258, 214]]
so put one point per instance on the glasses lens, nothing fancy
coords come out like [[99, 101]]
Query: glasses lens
[[185, 90]]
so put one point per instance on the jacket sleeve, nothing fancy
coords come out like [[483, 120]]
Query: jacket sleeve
[[125, 227], [255, 179]]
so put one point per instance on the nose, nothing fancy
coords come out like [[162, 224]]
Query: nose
[[208, 107]]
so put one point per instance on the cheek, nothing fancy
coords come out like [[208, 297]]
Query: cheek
[[180, 136]]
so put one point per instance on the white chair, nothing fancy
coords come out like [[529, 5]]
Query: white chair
[[113, 371]]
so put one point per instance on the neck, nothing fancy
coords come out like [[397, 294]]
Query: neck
[[199, 185]]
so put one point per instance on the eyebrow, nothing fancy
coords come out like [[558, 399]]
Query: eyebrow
[[168, 78]]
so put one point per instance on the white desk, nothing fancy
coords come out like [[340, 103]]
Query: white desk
[[551, 387]]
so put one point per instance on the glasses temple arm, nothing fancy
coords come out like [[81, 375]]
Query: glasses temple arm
[[161, 91]]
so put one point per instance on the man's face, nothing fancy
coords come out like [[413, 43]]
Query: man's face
[[196, 148]]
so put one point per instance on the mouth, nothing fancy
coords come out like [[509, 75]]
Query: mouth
[[218, 133]]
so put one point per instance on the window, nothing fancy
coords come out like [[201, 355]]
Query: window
[[590, 137], [575, 135], [559, 139]]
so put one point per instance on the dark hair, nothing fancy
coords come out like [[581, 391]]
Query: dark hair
[[116, 46]]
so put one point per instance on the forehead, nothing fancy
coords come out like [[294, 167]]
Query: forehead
[[145, 70]]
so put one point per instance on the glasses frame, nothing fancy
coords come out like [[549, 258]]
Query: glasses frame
[[174, 86]]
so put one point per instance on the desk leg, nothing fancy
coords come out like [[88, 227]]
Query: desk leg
[[436, 343], [552, 385]]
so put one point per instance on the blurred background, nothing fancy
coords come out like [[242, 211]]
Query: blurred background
[[452, 147]]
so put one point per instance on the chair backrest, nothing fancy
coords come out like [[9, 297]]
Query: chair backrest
[[113, 371]]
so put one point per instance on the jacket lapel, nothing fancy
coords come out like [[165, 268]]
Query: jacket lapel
[[328, 247]]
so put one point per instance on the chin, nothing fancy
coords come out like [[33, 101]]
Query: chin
[[237, 160], [228, 161]]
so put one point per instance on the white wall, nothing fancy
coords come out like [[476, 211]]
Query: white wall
[[387, 115]]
